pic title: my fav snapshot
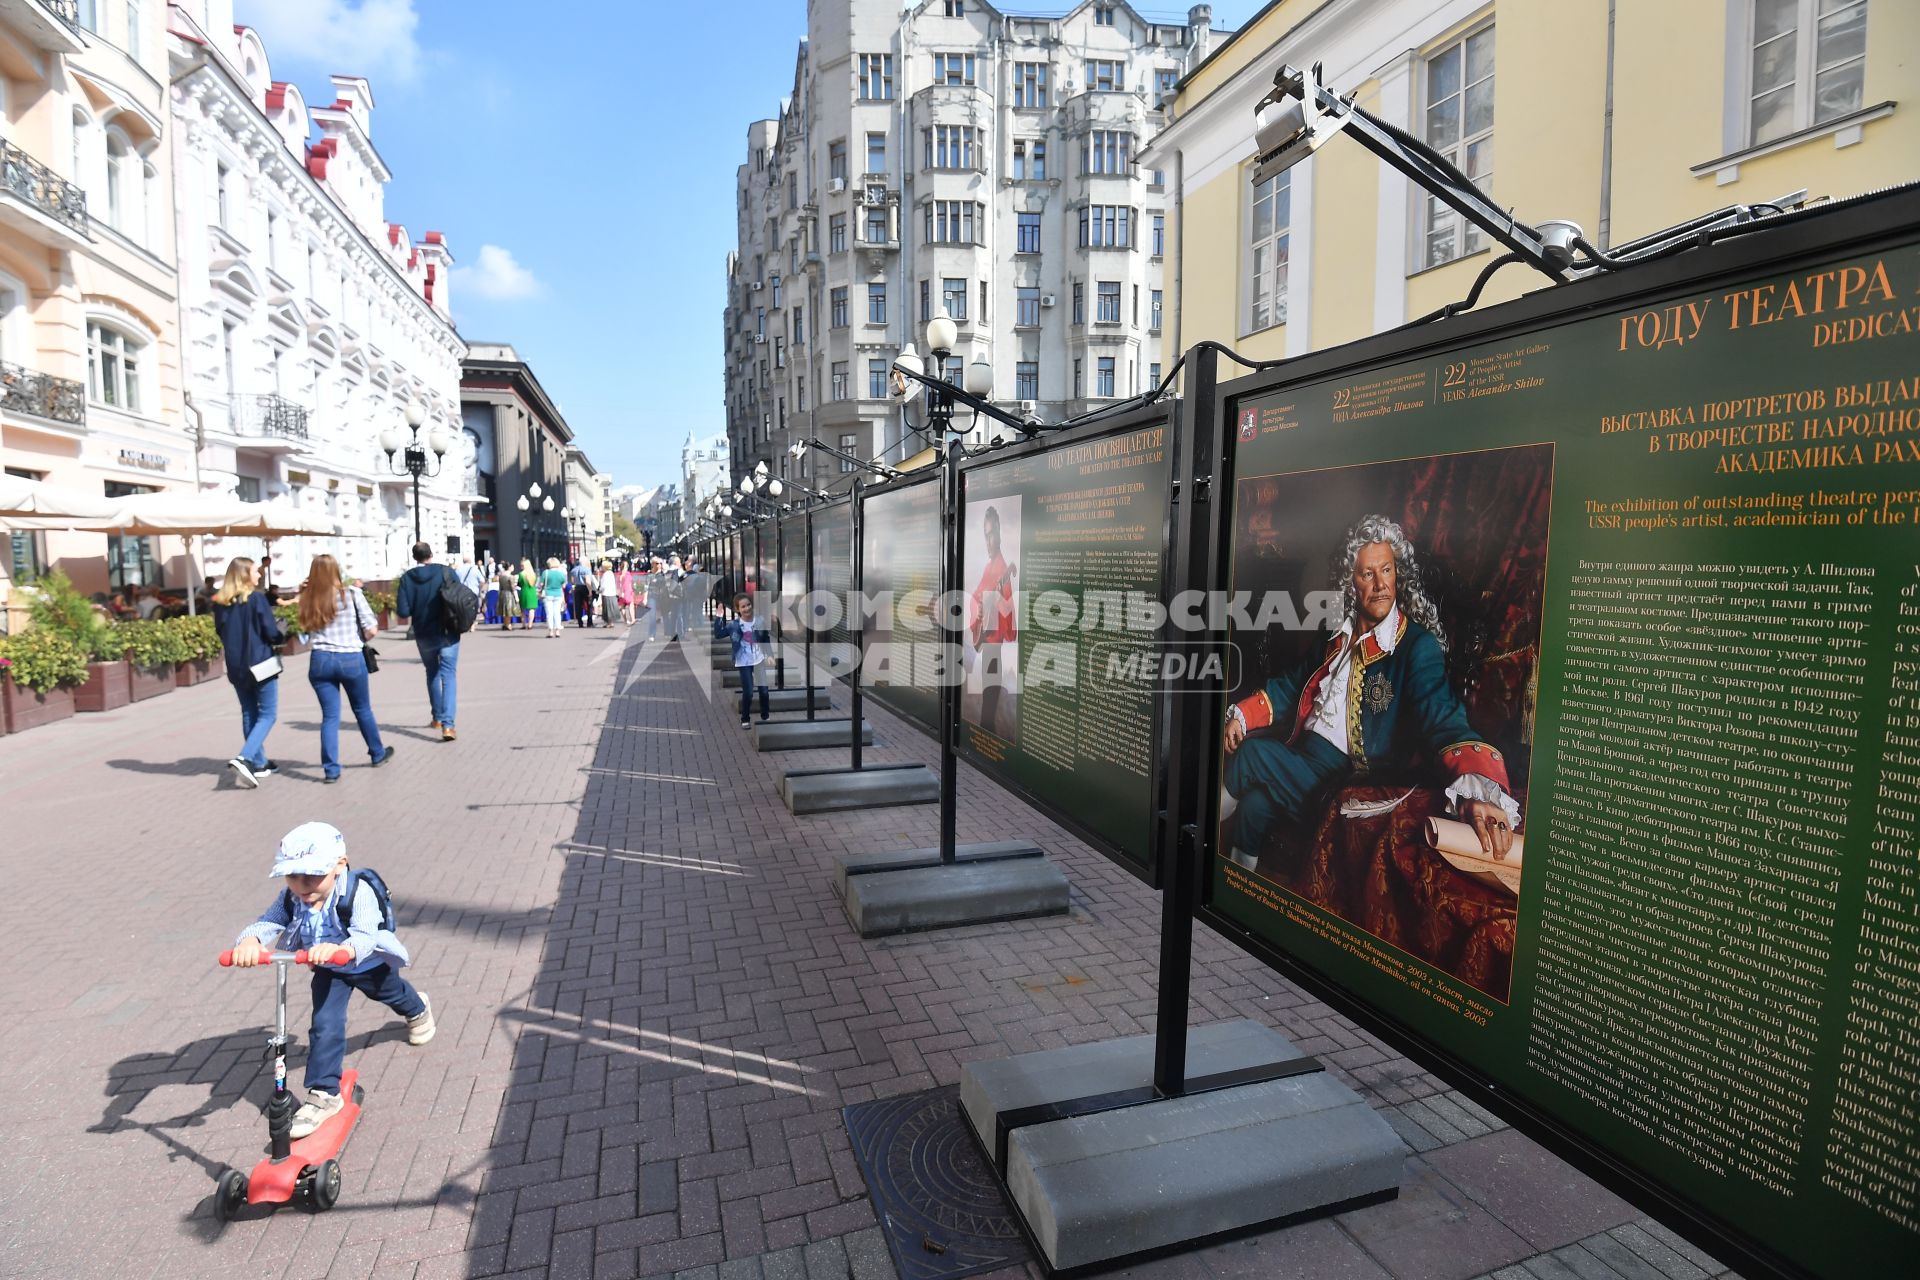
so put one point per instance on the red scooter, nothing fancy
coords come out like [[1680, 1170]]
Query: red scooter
[[307, 1169]]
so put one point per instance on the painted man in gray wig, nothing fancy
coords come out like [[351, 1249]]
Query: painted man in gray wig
[[1376, 701]]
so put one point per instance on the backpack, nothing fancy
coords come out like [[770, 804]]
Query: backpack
[[459, 607], [355, 877]]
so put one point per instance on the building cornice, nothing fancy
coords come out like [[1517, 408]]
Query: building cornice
[[208, 83], [516, 379]]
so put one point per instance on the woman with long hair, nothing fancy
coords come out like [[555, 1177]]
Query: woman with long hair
[[249, 634], [338, 622], [553, 594], [623, 589], [529, 592]]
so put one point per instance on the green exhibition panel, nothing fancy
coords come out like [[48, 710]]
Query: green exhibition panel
[[1063, 547], [832, 586], [900, 566], [1632, 567]]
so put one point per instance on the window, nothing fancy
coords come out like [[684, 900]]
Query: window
[[1027, 233], [799, 327], [952, 146], [836, 233], [1106, 226], [1029, 84], [1103, 376], [1104, 75], [953, 299], [1809, 64], [877, 380], [1079, 302], [1107, 302], [800, 394], [952, 68], [1026, 310], [876, 153], [840, 387], [760, 322], [116, 161], [1159, 234], [1163, 82], [879, 226], [926, 301], [953, 222], [779, 353], [849, 445], [27, 556], [1267, 239], [113, 367], [1459, 125], [837, 307], [222, 197], [1154, 312], [90, 15], [956, 8], [1134, 315], [877, 302], [837, 159], [876, 77], [1153, 376], [1106, 151], [1103, 15], [775, 287], [247, 488], [1079, 379], [1026, 380], [133, 29]]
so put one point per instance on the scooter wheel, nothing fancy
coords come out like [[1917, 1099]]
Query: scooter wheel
[[230, 1194], [325, 1186]]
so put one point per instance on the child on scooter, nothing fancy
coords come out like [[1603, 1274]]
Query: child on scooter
[[350, 945]]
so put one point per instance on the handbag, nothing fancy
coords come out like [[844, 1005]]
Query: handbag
[[266, 669], [367, 651]]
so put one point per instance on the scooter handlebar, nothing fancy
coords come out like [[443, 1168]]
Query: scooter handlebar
[[272, 957]]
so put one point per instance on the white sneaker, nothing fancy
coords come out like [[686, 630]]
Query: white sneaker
[[319, 1107], [420, 1026], [243, 772]]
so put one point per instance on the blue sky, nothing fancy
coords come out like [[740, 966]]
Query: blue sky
[[580, 157]]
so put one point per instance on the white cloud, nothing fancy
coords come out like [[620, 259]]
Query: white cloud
[[371, 38], [495, 276]]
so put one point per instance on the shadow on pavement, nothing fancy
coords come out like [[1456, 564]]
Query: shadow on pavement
[[186, 768]]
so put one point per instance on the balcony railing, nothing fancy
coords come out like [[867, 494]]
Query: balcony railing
[[42, 188], [68, 11], [269, 415], [23, 390]]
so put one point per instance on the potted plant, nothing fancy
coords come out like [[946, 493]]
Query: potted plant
[[109, 682], [42, 666], [153, 649], [59, 608], [288, 616], [382, 602], [203, 646]]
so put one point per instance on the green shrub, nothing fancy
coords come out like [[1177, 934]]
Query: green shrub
[[381, 601], [199, 635], [59, 607], [289, 619], [154, 644], [41, 658]]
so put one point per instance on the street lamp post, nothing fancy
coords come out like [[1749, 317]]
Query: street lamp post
[[525, 503], [413, 450]]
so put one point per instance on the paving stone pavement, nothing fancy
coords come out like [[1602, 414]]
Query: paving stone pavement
[[651, 1008]]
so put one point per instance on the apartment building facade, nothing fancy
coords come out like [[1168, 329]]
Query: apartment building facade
[[520, 442], [1625, 116], [948, 160]]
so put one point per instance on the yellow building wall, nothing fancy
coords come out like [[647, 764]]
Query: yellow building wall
[[1346, 200], [1210, 267], [1274, 22]]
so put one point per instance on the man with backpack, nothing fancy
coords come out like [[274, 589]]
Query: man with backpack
[[441, 610]]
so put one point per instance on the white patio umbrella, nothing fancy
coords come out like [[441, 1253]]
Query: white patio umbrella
[[23, 501]]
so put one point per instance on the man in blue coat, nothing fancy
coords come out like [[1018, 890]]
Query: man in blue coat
[[1376, 700], [417, 598]]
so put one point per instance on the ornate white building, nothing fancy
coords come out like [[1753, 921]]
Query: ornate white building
[[309, 322], [703, 473]]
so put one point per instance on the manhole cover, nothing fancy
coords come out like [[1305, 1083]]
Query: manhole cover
[[937, 1200]]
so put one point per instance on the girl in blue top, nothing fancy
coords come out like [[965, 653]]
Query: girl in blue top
[[553, 593], [749, 652], [249, 634], [358, 953]]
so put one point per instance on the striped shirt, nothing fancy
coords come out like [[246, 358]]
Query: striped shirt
[[342, 635]]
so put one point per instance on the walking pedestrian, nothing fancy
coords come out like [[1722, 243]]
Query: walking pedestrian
[[676, 582], [749, 651], [418, 599], [507, 587], [623, 590], [609, 589], [553, 593], [581, 578], [656, 602], [249, 635], [342, 919], [529, 593], [339, 622]]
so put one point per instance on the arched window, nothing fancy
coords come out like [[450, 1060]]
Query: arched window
[[116, 360]]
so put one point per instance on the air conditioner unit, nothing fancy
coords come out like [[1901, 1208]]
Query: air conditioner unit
[[836, 185], [758, 285], [1023, 406], [1046, 299], [760, 339]]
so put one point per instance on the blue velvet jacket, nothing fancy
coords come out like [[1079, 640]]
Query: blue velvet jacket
[[248, 634]]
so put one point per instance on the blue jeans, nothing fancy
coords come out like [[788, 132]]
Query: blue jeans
[[331, 674], [259, 708], [746, 694], [327, 1049], [440, 657]]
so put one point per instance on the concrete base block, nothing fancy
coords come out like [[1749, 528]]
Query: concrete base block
[[1138, 1179], [837, 790], [796, 700], [908, 859], [800, 735], [947, 896]]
